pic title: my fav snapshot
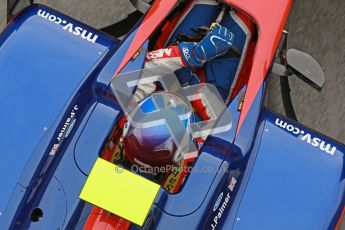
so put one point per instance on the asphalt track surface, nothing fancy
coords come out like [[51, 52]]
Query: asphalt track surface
[[315, 26], [318, 27]]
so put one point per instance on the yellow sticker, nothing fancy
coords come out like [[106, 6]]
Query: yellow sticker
[[119, 191], [174, 177]]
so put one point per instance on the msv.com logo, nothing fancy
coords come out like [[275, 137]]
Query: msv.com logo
[[172, 107]]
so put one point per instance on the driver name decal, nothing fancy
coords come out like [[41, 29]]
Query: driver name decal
[[65, 130], [221, 205], [68, 26], [307, 137]]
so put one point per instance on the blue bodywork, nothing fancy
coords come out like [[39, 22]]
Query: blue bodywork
[[57, 111]]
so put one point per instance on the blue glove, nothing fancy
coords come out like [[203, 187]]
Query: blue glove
[[214, 44]]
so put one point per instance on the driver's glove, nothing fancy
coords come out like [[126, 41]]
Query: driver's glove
[[214, 44]]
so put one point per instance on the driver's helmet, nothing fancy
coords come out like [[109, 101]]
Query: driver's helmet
[[154, 146]]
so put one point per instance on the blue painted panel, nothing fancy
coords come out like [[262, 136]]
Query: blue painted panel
[[248, 131], [44, 57], [54, 207], [196, 219], [296, 181], [81, 155], [94, 135], [107, 73], [195, 189]]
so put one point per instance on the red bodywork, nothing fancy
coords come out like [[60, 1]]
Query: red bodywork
[[269, 16]]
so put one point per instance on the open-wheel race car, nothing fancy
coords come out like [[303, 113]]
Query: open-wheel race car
[[84, 148]]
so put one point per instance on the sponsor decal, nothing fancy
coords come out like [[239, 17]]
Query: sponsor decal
[[159, 53], [65, 130], [219, 199], [118, 154], [70, 127], [307, 137], [173, 179], [222, 204], [232, 184], [186, 54], [54, 149], [68, 26]]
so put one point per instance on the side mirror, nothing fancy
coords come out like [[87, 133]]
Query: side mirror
[[305, 67], [302, 65]]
